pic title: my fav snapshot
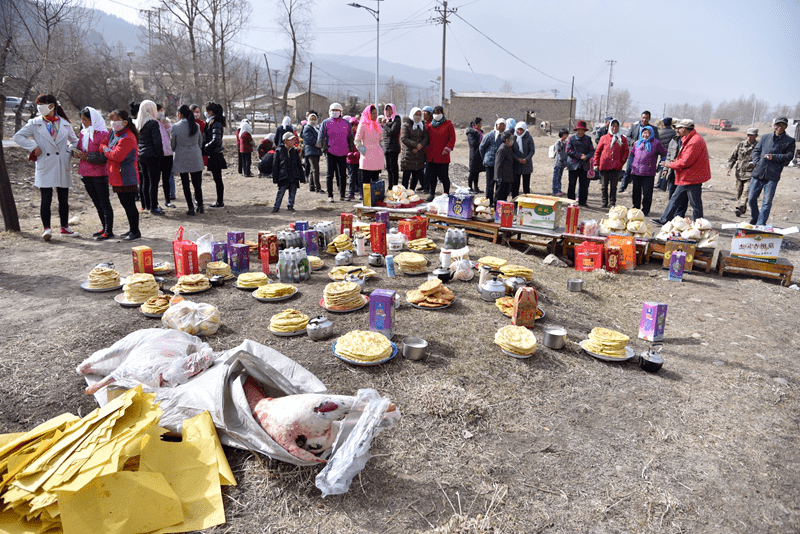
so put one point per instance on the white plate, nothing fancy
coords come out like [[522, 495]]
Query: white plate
[[517, 356], [122, 301], [321, 267], [287, 334], [190, 292], [85, 287], [276, 299], [245, 288], [629, 353], [151, 315], [427, 308], [365, 364], [162, 267], [413, 274]]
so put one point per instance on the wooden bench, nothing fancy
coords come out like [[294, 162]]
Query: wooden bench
[[477, 228], [781, 270], [570, 240], [534, 237], [395, 214], [706, 257]]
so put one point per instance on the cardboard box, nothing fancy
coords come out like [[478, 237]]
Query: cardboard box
[[219, 251], [539, 211], [504, 214], [142, 259], [677, 264], [628, 245], [381, 311], [377, 238], [758, 244], [184, 253], [263, 254], [239, 255], [460, 206], [382, 216], [310, 238], [654, 317], [674, 245], [269, 242], [373, 192], [413, 228], [300, 226], [615, 257], [235, 237]]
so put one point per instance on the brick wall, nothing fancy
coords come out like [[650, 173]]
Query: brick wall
[[463, 109]]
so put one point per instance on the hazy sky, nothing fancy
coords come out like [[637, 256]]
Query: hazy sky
[[666, 51]]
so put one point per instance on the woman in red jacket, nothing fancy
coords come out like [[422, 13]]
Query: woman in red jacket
[[442, 139], [609, 159], [122, 153]]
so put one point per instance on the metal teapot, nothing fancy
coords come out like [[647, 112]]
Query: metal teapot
[[345, 257], [375, 260], [493, 289], [319, 327], [445, 275], [357, 276], [513, 283]]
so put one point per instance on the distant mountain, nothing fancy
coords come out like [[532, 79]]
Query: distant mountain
[[116, 32]]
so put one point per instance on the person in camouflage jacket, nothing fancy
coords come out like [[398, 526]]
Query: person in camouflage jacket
[[742, 159]]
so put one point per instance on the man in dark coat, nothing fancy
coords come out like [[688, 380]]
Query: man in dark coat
[[287, 170], [504, 167], [665, 136], [770, 156]]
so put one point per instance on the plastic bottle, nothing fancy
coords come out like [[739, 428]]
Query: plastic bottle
[[295, 268], [303, 264], [390, 265], [282, 266]]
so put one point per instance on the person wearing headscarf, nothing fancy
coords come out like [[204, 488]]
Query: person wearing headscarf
[[488, 149], [413, 140], [185, 140], [212, 147], [524, 151], [285, 126], [165, 168], [312, 154], [92, 169], [368, 142], [643, 169], [391, 144], [474, 137], [441, 141], [151, 150], [609, 160], [511, 124], [246, 143]]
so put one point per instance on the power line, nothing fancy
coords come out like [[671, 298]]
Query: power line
[[465, 59]]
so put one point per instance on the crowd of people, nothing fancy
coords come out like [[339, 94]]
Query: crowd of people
[[143, 151]]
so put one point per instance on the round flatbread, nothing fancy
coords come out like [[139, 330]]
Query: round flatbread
[[103, 278], [363, 346]]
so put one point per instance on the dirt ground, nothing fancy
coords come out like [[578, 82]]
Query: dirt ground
[[558, 443]]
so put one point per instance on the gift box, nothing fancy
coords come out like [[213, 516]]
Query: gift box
[[614, 259], [235, 237], [539, 211], [347, 223], [526, 300], [185, 254], [300, 226], [310, 239], [413, 228], [219, 251], [760, 245], [239, 255], [374, 192], [460, 206], [269, 242], [654, 317], [382, 216], [377, 239], [263, 254], [588, 256], [142, 259], [628, 246], [677, 264], [381, 311], [679, 245], [573, 212], [504, 214]]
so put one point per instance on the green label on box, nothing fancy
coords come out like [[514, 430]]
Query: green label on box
[[543, 210]]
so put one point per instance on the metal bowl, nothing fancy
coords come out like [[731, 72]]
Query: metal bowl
[[217, 280], [575, 284], [414, 348], [555, 337]]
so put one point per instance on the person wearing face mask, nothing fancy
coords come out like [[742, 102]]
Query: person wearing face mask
[[524, 151], [442, 140], [336, 140], [122, 154], [391, 143], [245, 143], [167, 176], [488, 150], [368, 142], [198, 118], [151, 150], [413, 140], [212, 147], [93, 171], [312, 154], [49, 139], [474, 137], [185, 139]]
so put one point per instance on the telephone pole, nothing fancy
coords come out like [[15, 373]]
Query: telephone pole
[[610, 83], [310, 71], [443, 11]]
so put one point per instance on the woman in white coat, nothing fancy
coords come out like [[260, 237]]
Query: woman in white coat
[[50, 139]]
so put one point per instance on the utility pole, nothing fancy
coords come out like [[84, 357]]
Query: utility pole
[[443, 11], [610, 83], [271, 91], [571, 100], [310, 70]]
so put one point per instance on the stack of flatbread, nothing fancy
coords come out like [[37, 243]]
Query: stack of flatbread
[[162, 267], [362, 346], [606, 342], [191, 283], [342, 295], [249, 280], [510, 271], [516, 339], [139, 287], [289, 320], [340, 242], [422, 244], [492, 262], [218, 268], [411, 263], [315, 262], [273, 291], [431, 294], [253, 246], [156, 305], [340, 272], [103, 278]]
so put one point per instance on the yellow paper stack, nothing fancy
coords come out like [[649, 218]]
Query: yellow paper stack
[[111, 473]]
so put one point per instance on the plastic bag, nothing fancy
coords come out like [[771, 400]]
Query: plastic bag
[[439, 204], [463, 270], [366, 420], [204, 248], [195, 318], [153, 357]]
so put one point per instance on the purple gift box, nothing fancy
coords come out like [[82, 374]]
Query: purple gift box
[[381, 311], [300, 226], [219, 251], [310, 238], [382, 216], [239, 255], [654, 316], [235, 237], [677, 264]]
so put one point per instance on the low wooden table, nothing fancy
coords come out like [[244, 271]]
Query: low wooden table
[[476, 228], [540, 237], [707, 257], [782, 270], [570, 240]]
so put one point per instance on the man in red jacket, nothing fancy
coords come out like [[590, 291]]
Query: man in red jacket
[[692, 168]]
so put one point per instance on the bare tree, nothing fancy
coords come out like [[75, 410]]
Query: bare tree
[[101, 83], [704, 112], [506, 87], [295, 18], [186, 13], [620, 105], [233, 14], [8, 27]]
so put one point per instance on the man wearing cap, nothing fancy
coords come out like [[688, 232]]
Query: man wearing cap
[[287, 170], [666, 135], [633, 136], [601, 131], [580, 151], [770, 156], [336, 139], [692, 168], [742, 158]]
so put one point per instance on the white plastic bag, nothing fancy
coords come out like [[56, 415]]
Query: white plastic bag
[[439, 204], [463, 270], [195, 318]]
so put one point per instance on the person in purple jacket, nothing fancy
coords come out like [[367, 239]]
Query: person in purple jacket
[[643, 168], [335, 139]]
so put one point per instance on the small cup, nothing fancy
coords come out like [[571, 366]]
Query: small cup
[[414, 348], [555, 337], [575, 284]]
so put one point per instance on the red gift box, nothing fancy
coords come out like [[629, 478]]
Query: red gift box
[[504, 212], [413, 228], [588, 256], [142, 259], [185, 254], [615, 257], [526, 300], [377, 239], [347, 222], [628, 246], [573, 211], [269, 242]]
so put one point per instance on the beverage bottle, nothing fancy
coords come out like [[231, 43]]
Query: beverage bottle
[[390, 265], [303, 264], [295, 268]]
